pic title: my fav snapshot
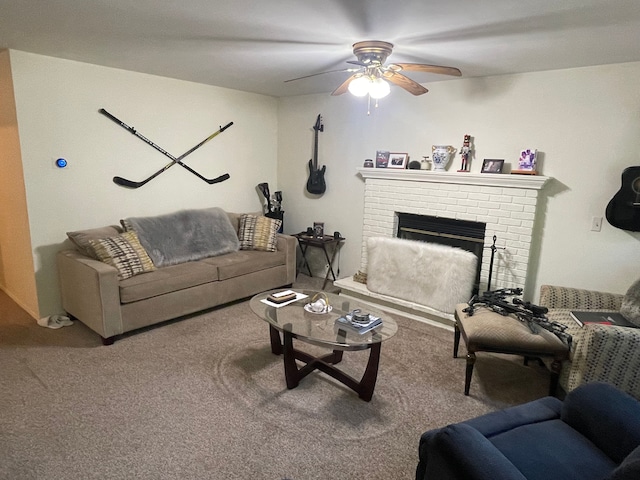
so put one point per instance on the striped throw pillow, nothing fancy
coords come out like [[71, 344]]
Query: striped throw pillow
[[123, 252], [258, 233]]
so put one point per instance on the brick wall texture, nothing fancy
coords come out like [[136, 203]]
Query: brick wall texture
[[508, 213]]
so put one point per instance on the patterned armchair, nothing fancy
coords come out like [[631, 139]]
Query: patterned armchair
[[600, 352]]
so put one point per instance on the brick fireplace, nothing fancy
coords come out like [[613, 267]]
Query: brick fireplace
[[505, 203]]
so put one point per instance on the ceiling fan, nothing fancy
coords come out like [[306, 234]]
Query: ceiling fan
[[369, 78]]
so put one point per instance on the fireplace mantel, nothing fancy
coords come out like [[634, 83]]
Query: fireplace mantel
[[534, 182]]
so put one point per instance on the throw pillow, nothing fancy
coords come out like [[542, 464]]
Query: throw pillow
[[630, 308], [82, 238], [258, 233], [123, 252]]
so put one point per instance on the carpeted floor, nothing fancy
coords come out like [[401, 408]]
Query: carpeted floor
[[204, 398]]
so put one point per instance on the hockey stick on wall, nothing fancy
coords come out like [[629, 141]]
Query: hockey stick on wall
[[132, 184]]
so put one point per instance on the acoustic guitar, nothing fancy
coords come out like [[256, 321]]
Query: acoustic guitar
[[623, 210], [316, 184]]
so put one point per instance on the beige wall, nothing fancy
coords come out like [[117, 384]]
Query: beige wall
[[16, 264], [585, 123], [57, 104]]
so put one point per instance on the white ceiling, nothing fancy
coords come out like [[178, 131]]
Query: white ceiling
[[254, 45]]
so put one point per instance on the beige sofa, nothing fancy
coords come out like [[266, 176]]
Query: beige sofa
[[94, 292]]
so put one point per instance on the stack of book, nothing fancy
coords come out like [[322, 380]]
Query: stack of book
[[358, 327], [603, 318]]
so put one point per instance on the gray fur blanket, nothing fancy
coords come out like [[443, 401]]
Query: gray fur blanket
[[185, 236]]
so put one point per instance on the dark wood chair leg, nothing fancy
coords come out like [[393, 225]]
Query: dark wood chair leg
[[471, 360], [108, 341], [556, 368], [456, 340]]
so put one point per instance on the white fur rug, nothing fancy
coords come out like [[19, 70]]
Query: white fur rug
[[437, 276]]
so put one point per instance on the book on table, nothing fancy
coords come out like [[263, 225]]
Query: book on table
[[359, 327], [601, 317]]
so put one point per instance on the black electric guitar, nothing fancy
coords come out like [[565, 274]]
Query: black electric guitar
[[623, 210], [316, 184]]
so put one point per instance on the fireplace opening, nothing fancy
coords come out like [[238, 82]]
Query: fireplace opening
[[463, 234]]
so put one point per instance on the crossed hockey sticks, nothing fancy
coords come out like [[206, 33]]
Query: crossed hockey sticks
[[132, 184]]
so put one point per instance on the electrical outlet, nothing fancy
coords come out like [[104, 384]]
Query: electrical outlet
[[596, 224]]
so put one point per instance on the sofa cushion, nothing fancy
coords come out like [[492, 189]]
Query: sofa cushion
[[81, 238], [123, 252], [245, 261], [258, 233], [553, 450], [185, 236], [630, 308], [166, 280]]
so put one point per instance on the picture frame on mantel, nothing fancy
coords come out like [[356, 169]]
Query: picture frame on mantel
[[398, 160], [492, 165], [382, 158], [527, 163]]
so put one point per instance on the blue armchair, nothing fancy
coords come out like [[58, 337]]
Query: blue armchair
[[593, 435]]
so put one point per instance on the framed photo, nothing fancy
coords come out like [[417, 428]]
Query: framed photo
[[398, 160], [527, 162], [382, 158], [318, 229], [490, 165]]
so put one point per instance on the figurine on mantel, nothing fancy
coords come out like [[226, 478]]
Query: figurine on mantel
[[465, 153]]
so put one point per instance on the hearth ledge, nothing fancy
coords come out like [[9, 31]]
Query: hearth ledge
[[534, 182], [349, 288]]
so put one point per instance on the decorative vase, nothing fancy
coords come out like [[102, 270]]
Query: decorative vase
[[441, 154]]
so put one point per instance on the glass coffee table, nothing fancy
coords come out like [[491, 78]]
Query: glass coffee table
[[295, 321]]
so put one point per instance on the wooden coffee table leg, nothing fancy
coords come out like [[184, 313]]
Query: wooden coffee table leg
[[290, 367], [368, 381], [274, 336]]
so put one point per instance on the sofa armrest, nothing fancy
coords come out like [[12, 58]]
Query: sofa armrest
[[288, 243], [90, 292], [460, 451], [607, 416], [552, 296]]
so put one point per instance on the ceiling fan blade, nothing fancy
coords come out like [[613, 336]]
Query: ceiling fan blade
[[404, 82], [357, 62], [322, 73], [422, 67], [345, 85]]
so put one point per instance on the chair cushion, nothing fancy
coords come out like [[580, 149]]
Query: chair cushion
[[552, 449], [487, 330]]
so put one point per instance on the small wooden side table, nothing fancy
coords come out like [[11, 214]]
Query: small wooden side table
[[305, 241]]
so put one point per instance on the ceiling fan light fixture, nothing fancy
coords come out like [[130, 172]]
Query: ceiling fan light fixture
[[360, 86], [379, 88]]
